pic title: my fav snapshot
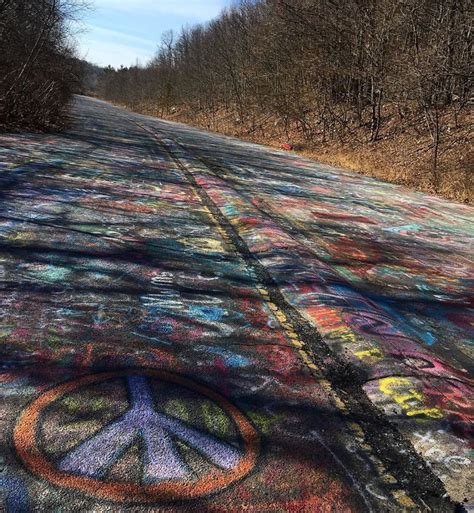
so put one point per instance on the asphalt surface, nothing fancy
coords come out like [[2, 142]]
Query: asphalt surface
[[193, 323]]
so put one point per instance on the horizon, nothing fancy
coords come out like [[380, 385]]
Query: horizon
[[126, 33]]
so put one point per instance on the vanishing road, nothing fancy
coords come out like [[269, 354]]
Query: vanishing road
[[191, 323]]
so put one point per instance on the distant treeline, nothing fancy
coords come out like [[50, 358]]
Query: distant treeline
[[89, 76], [38, 71], [320, 67]]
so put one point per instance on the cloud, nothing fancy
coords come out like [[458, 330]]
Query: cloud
[[105, 46], [199, 10], [117, 32], [116, 54], [121, 36]]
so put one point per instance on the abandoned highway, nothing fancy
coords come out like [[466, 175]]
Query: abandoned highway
[[189, 322]]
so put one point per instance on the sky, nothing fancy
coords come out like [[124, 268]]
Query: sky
[[120, 32]]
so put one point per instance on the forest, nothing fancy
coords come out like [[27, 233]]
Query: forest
[[383, 87], [324, 73]]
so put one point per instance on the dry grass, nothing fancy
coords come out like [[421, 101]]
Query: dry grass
[[402, 155]]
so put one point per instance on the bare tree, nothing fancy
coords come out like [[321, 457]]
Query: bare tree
[[37, 69]]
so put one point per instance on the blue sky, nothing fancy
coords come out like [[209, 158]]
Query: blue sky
[[118, 32]]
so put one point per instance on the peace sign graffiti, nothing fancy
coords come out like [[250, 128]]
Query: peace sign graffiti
[[166, 473]]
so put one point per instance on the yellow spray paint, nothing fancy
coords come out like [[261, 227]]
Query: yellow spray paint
[[411, 400]]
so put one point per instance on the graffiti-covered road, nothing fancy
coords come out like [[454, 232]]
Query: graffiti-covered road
[[191, 323]]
